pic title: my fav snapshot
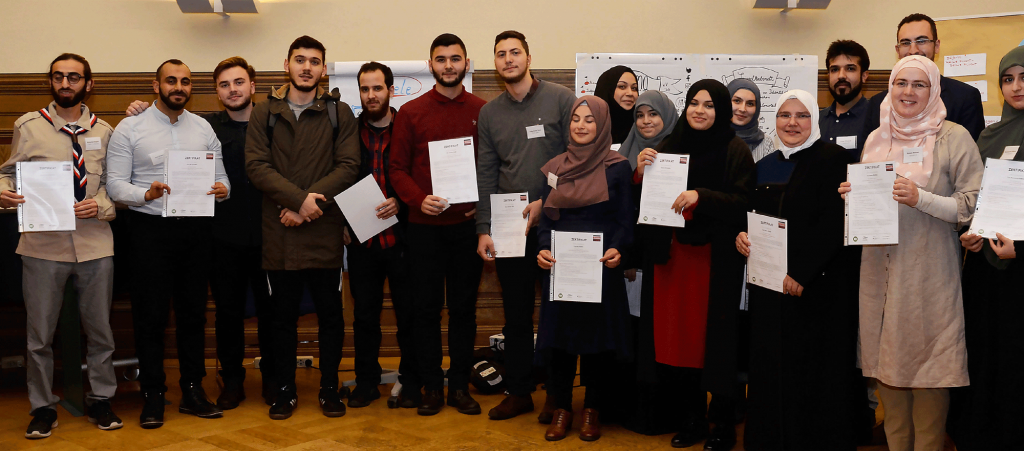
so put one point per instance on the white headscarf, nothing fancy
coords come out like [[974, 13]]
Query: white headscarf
[[812, 106]]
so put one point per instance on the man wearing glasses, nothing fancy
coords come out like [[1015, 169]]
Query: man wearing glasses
[[916, 35], [65, 131]]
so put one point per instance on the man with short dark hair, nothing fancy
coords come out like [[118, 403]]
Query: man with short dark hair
[[301, 150], [520, 130], [170, 257], [66, 131], [842, 122], [917, 35], [441, 237], [382, 257]]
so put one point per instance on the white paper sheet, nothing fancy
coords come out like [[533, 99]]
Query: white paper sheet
[[872, 215], [508, 226], [1000, 205], [769, 244], [576, 274], [963, 65], [359, 205], [664, 181], [982, 86], [190, 174], [453, 170], [49, 190]]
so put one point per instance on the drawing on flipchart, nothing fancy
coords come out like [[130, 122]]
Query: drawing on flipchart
[[669, 85]]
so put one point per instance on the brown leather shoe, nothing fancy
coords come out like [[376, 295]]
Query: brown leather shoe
[[511, 406], [591, 428], [560, 425], [548, 412]]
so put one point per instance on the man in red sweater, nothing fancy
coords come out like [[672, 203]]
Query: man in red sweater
[[441, 236]]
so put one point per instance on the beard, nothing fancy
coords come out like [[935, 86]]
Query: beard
[[165, 98], [374, 116], [63, 100], [295, 84], [243, 104], [454, 83], [515, 79], [843, 99]]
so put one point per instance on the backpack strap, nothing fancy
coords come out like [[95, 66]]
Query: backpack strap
[[271, 122]]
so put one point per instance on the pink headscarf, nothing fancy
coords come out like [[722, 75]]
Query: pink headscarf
[[896, 132]]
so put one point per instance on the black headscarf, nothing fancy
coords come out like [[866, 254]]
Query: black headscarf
[[622, 119], [707, 148]]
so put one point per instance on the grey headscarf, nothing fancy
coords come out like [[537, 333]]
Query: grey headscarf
[[635, 142], [750, 133]]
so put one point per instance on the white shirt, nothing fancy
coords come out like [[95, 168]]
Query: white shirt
[[135, 154]]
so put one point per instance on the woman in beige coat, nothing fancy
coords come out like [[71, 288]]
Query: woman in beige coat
[[911, 306]]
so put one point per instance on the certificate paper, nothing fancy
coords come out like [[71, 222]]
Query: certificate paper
[[664, 180], [190, 175], [508, 226], [49, 190], [768, 262], [576, 275], [359, 205], [453, 170], [1000, 205], [872, 215]]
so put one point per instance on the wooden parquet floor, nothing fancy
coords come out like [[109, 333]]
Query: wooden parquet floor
[[248, 428]]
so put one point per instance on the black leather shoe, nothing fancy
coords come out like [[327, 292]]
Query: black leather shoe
[[722, 438], [691, 434], [152, 415], [463, 402], [408, 398], [232, 394], [284, 403], [433, 401], [362, 398], [330, 402], [195, 402]]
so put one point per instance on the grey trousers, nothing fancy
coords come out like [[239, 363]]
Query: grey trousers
[[43, 284]]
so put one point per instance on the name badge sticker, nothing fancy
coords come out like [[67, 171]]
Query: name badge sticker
[[616, 147], [535, 131], [157, 158], [92, 144], [913, 154], [1009, 152], [847, 142], [552, 180]]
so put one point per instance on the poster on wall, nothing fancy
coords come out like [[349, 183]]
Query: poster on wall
[[674, 73], [412, 79]]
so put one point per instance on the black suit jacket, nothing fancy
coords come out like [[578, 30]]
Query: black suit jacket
[[963, 106]]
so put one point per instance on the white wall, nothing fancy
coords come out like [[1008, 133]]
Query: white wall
[[136, 35]]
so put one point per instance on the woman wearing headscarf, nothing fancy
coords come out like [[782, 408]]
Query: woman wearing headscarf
[[988, 413], [692, 274], [803, 342], [746, 115], [618, 88], [592, 194], [655, 119], [911, 305]]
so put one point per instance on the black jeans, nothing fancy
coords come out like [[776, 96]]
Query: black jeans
[[562, 374], [170, 259], [368, 270], [236, 270], [518, 278], [286, 288], [446, 271]]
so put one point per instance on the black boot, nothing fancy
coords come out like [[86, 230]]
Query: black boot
[[152, 415], [195, 402], [233, 392], [722, 438], [691, 434]]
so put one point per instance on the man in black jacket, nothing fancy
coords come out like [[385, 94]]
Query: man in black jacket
[[916, 35]]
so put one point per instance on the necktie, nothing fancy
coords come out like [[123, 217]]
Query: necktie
[[79, 160]]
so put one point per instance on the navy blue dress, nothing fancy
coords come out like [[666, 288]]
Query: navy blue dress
[[585, 328]]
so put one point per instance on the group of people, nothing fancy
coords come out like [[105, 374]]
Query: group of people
[[799, 367]]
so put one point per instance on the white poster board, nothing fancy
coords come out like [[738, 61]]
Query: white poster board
[[674, 73], [412, 79]]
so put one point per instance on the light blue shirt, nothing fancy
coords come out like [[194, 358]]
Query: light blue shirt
[[135, 154]]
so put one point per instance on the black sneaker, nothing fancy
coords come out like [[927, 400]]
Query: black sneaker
[[104, 418], [43, 420], [284, 404], [363, 398], [330, 402], [152, 415]]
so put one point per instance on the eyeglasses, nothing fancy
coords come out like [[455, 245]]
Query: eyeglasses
[[799, 117], [73, 78], [904, 44], [917, 86]]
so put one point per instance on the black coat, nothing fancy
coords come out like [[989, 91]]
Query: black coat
[[802, 372]]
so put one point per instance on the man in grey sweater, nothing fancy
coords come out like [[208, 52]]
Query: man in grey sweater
[[519, 131]]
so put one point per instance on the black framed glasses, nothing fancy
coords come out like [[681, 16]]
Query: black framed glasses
[[73, 78], [921, 42], [799, 117]]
